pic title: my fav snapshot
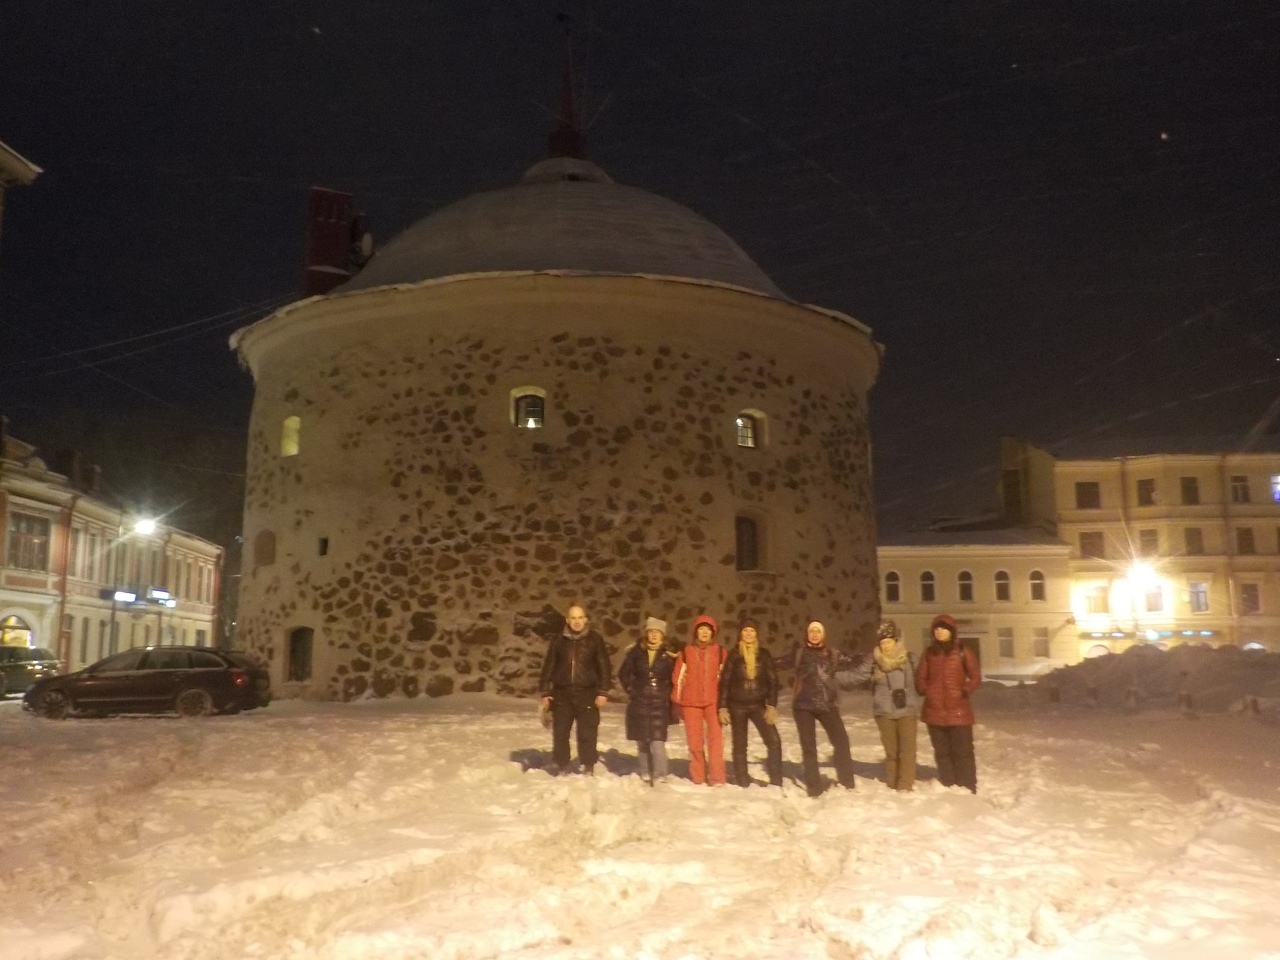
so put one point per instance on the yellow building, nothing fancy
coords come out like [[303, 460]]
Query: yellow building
[[1172, 542], [1008, 590]]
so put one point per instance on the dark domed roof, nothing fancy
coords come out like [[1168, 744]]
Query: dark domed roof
[[564, 215]]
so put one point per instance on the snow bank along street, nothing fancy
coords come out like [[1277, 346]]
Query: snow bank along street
[[423, 829]]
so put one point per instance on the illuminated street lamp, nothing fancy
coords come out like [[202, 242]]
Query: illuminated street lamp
[[145, 527]]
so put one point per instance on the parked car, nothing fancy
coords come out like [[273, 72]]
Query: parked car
[[192, 681], [22, 666]]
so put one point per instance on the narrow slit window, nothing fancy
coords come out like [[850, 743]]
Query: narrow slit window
[[747, 543]]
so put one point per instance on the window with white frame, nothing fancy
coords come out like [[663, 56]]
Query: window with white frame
[[1239, 489], [28, 542], [892, 587], [1193, 541], [964, 583], [1040, 642], [1088, 495], [1275, 488], [1250, 598], [1190, 491], [1097, 600], [1004, 635], [1037, 585], [1244, 541], [1092, 545], [1148, 543], [1146, 492], [1198, 595], [928, 591], [1153, 598], [1003, 591]]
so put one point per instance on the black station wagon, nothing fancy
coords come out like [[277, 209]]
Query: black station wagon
[[191, 681]]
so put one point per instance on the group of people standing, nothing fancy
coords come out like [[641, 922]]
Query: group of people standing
[[708, 686]]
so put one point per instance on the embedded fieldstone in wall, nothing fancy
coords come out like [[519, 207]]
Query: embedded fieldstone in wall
[[455, 535]]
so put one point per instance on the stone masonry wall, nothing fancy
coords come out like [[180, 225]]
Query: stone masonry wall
[[455, 539]]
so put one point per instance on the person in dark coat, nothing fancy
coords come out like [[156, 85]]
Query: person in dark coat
[[894, 703], [749, 692], [948, 673], [816, 700], [645, 675], [574, 683]]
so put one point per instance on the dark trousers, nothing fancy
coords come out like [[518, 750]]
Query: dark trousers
[[953, 756], [570, 705], [839, 737], [738, 717]]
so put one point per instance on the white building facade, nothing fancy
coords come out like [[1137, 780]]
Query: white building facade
[[71, 562]]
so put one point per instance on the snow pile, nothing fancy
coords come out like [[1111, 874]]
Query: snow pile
[[406, 830], [1216, 680]]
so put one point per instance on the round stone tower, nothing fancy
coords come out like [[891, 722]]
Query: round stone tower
[[566, 390]]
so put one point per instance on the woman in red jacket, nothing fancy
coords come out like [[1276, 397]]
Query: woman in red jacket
[[947, 674], [696, 688]]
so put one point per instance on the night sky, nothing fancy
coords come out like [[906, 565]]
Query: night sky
[[1061, 219]]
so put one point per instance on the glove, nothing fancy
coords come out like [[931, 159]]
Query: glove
[[771, 716], [724, 717]]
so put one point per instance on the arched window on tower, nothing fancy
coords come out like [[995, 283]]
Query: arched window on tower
[[965, 584], [290, 436], [750, 429], [529, 408]]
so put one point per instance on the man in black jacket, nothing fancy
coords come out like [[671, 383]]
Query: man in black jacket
[[576, 676]]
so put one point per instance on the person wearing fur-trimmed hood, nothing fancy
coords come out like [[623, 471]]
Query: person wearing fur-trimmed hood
[[645, 675], [816, 701], [948, 673], [894, 703], [749, 693], [697, 691]]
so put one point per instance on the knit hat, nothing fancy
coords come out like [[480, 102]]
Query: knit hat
[[748, 622], [943, 620], [819, 625], [653, 623], [710, 622], [887, 628]]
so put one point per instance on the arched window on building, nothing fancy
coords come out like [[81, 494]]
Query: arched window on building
[[1037, 585], [290, 436], [746, 535], [298, 666], [964, 583], [1002, 585], [529, 407], [892, 587], [928, 588], [751, 429], [264, 554]]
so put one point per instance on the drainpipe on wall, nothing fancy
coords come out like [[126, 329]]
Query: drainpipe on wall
[[1229, 549], [64, 644]]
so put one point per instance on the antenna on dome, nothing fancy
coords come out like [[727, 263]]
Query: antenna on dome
[[566, 139]]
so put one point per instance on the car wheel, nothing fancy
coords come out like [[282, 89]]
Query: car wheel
[[193, 703], [55, 704]]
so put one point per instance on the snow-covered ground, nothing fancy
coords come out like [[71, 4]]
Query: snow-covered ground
[[424, 829]]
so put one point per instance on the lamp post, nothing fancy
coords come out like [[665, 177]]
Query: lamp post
[[144, 526]]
